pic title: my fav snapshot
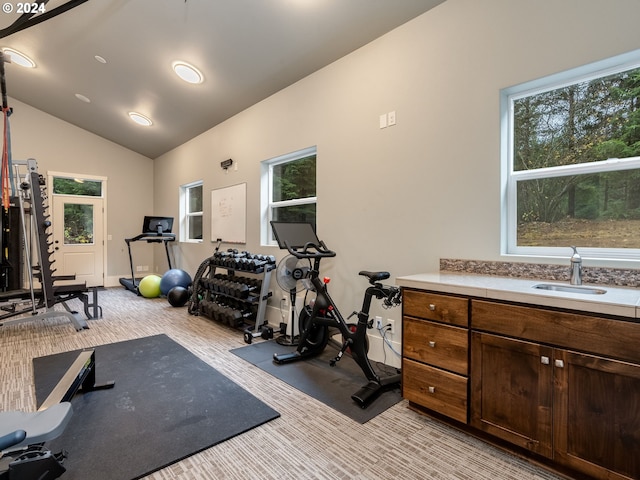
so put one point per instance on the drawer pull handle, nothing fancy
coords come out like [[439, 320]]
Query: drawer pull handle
[[432, 344], [559, 364], [432, 307], [432, 389], [544, 360]]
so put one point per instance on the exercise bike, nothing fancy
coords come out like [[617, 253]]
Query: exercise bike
[[316, 320]]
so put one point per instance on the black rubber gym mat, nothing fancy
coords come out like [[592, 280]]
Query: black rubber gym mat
[[332, 386], [166, 405]]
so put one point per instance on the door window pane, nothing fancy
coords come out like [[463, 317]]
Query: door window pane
[[78, 224], [77, 186]]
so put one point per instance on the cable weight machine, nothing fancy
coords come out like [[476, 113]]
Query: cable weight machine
[[37, 302]]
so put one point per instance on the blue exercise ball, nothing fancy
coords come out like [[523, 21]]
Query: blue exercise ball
[[178, 296], [174, 278]]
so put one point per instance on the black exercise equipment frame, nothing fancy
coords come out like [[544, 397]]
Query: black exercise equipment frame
[[315, 321], [132, 283]]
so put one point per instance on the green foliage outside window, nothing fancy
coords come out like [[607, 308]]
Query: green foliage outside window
[[70, 186], [78, 224], [295, 180], [585, 122], [78, 218]]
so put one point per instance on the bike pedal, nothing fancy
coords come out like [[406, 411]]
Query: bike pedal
[[61, 455]]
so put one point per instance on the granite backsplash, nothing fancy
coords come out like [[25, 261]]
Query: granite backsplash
[[620, 277]]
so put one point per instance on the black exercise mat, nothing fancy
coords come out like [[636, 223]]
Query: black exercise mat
[[166, 405], [333, 386]]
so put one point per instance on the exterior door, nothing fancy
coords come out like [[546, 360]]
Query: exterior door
[[78, 238]]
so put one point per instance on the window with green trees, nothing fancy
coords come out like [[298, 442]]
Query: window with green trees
[[289, 189], [573, 166], [78, 217]]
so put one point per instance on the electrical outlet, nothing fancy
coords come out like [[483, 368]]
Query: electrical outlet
[[378, 322], [392, 326]]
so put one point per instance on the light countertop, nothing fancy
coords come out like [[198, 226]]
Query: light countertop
[[619, 301]]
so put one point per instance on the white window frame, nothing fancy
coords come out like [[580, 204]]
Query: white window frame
[[266, 191], [185, 215], [510, 177]]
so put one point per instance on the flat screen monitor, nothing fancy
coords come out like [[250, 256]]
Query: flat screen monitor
[[157, 225], [296, 234]]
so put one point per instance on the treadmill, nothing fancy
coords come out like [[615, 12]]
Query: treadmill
[[154, 230]]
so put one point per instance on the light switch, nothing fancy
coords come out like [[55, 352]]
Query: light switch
[[383, 120]]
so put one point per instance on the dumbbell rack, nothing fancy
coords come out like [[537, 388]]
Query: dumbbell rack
[[238, 297]]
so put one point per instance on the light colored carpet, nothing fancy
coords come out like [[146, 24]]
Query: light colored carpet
[[309, 440]]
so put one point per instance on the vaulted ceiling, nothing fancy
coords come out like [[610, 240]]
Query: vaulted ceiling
[[101, 59]]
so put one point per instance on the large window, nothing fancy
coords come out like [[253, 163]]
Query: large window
[[571, 158], [289, 190], [191, 212]]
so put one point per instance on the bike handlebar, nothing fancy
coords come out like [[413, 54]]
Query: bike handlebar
[[393, 298], [311, 250]]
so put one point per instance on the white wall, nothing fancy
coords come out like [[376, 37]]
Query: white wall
[[397, 199], [61, 147], [403, 197]]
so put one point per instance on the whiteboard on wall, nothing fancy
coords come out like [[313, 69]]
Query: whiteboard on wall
[[229, 214]]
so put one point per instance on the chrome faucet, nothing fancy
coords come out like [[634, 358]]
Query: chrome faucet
[[576, 268]]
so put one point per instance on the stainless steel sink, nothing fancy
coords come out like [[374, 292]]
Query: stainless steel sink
[[570, 288]]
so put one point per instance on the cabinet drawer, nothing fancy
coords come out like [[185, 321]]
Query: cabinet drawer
[[435, 389], [588, 333], [443, 308], [441, 345]]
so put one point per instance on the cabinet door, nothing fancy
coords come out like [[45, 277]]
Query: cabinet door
[[511, 391], [597, 410]]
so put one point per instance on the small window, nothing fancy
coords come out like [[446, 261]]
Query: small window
[[289, 190], [77, 186], [191, 212], [572, 169]]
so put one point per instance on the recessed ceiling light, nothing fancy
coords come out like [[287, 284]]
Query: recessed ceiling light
[[19, 58], [187, 72], [100, 59], [140, 119], [83, 98]]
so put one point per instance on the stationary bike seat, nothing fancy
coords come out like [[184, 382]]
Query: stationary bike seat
[[375, 276], [40, 426]]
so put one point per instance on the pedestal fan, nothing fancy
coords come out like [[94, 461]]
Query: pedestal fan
[[291, 275]]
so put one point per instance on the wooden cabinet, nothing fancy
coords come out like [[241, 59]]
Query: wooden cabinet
[[536, 391], [597, 415], [435, 306], [435, 359], [511, 391]]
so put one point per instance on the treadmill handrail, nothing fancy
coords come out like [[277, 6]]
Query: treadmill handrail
[[152, 237]]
